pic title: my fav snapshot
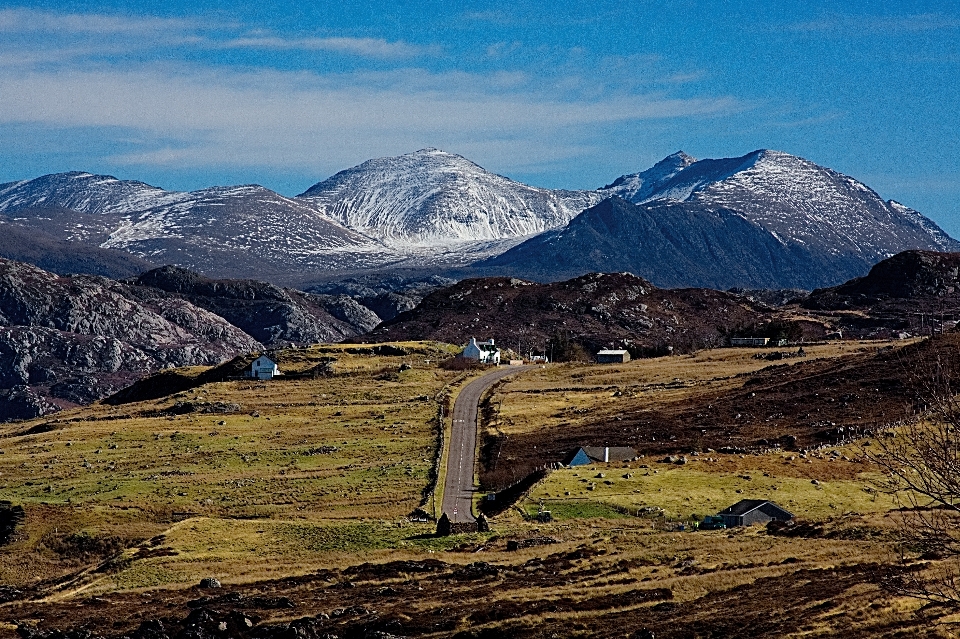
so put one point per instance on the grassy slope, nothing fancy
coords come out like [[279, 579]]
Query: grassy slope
[[355, 446], [267, 500]]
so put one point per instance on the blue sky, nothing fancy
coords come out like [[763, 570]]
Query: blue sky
[[561, 94]]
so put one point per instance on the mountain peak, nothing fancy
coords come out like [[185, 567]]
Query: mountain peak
[[432, 198], [678, 157], [637, 187]]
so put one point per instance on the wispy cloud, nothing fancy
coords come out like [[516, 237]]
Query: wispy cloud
[[88, 76], [197, 117], [106, 34], [20, 20], [368, 47], [813, 120]]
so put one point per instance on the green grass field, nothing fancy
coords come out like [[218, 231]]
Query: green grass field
[[682, 492]]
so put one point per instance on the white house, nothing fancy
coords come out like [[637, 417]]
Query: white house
[[263, 368], [483, 352]]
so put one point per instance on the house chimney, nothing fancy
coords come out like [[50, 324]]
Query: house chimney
[[491, 341], [606, 453]]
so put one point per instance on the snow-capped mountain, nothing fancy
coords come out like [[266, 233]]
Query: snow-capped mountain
[[85, 193], [242, 223], [808, 225], [767, 219], [640, 187], [802, 202], [222, 231], [431, 198]]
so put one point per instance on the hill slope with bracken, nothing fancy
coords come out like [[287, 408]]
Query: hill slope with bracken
[[593, 311], [767, 219]]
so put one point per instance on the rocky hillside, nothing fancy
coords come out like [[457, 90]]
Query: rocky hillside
[[71, 340], [575, 317], [67, 340], [269, 313]]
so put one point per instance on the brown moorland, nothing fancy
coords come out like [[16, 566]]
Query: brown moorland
[[308, 523]]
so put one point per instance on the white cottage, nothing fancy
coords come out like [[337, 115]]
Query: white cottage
[[483, 352], [264, 368]]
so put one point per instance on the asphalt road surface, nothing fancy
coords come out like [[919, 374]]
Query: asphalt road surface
[[458, 487]]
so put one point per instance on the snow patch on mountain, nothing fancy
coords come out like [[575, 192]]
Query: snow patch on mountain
[[84, 192], [638, 187], [431, 198]]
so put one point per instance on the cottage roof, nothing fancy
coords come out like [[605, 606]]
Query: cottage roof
[[611, 352], [745, 506], [617, 453]]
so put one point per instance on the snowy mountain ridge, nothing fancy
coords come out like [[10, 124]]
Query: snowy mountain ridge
[[436, 210], [430, 198]]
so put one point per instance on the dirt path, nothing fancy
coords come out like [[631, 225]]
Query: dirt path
[[458, 486]]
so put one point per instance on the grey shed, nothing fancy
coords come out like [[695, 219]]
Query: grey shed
[[747, 512]]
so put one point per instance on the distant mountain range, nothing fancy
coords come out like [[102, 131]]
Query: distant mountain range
[[767, 219]]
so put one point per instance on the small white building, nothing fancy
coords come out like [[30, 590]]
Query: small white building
[[263, 368], [613, 356], [483, 352]]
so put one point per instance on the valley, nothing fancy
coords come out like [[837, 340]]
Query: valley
[[309, 498]]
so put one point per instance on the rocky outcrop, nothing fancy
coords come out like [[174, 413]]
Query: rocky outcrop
[[907, 275], [269, 313], [590, 312], [346, 309], [72, 340]]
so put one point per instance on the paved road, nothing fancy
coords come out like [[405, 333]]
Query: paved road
[[458, 486]]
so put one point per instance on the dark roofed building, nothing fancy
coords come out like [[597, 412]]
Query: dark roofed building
[[747, 512], [601, 454]]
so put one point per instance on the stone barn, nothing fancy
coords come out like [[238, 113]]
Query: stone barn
[[748, 512]]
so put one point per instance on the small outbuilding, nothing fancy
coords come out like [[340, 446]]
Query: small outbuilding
[[263, 368], [613, 357], [483, 352], [748, 512], [601, 454], [749, 341]]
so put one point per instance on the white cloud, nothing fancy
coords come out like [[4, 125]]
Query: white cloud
[[200, 117], [21, 20], [84, 73], [367, 47]]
